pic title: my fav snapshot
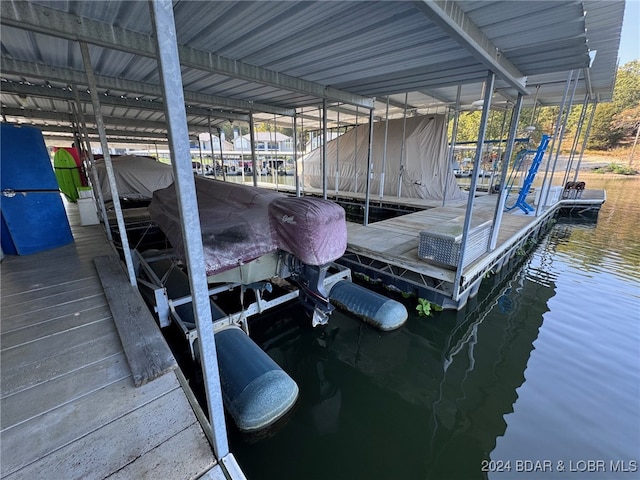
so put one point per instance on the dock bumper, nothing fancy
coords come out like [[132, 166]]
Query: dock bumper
[[255, 390], [378, 310]]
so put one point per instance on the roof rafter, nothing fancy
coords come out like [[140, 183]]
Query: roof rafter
[[66, 75], [49, 21], [120, 121], [110, 100], [452, 19]]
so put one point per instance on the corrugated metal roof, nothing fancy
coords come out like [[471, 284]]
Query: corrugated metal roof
[[345, 50]]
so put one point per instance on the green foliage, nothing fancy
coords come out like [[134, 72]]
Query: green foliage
[[627, 89], [424, 307], [612, 122], [628, 121], [616, 168], [603, 136], [607, 129]]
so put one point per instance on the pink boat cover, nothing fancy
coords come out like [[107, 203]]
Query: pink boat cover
[[241, 223]]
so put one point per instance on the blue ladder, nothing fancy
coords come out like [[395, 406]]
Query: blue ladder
[[531, 175]]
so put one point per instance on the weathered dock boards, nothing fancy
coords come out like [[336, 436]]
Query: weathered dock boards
[[68, 405], [147, 351], [390, 247]]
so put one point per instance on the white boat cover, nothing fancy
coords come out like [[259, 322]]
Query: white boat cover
[[136, 177], [241, 223], [425, 172]]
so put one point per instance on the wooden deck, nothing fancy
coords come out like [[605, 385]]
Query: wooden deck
[[394, 242], [69, 407]]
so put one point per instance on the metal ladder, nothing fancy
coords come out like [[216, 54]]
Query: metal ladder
[[531, 175]]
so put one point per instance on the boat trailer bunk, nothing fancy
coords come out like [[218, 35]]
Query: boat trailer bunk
[[255, 240]]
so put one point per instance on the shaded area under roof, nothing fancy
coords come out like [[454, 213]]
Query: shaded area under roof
[[272, 58]]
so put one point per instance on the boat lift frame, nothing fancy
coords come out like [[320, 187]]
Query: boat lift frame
[[165, 307]]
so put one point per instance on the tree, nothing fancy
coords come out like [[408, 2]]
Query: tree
[[605, 132], [603, 136]]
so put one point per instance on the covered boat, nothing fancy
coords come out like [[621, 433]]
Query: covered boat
[[136, 177], [241, 223]]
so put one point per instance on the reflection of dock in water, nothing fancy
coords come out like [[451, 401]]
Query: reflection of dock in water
[[420, 394]]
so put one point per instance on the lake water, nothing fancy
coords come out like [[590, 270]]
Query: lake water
[[537, 378]]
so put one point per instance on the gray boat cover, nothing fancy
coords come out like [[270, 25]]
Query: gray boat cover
[[241, 223], [136, 177]]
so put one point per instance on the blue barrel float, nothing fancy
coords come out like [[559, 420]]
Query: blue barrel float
[[378, 310], [256, 392]]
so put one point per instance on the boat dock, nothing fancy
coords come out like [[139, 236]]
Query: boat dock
[[386, 251], [70, 408]]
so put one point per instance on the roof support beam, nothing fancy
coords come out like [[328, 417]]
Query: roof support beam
[[396, 104], [50, 138], [452, 19], [108, 100], [10, 66], [49, 21], [141, 137], [91, 119]]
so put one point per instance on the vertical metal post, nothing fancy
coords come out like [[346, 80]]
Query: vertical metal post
[[324, 148], [513, 130], [213, 158], [454, 135], [171, 80], [576, 139], [562, 132], [275, 142], [224, 173], [91, 160], [75, 128], [295, 152], [488, 92], [355, 155], [555, 136], [304, 144], [586, 137], [369, 168], [84, 49], [252, 140], [499, 154], [384, 151], [404, 129], [338, 156], [200, 154]]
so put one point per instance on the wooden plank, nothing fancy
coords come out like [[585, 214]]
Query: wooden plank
[[147, 351], [60, 297], [74, 422], [45, 397], [116, 444], [47, 274], [43, 349], [25, 319], [50, 327], [409, 262], [162, 461], [16, 379], [39, 290]]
